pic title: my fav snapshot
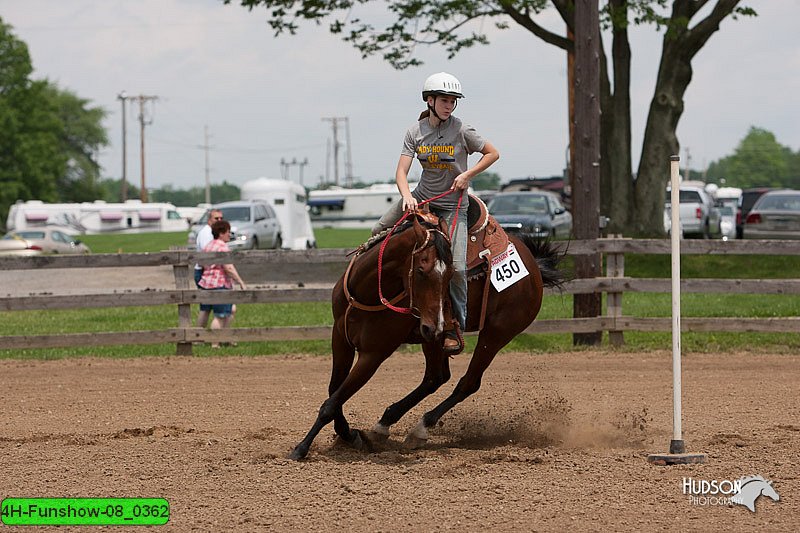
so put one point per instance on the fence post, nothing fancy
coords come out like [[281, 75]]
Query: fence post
[[615, 268], [183, 280]]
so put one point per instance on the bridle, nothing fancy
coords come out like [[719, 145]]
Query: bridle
[[390, 304], [409, 310]]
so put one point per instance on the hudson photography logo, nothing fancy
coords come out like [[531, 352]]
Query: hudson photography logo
[[743, 491]]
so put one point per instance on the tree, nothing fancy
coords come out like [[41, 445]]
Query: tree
[[81, 136], [486, 181], [49, 136], [634, 205], [29, 156], [758, 161]]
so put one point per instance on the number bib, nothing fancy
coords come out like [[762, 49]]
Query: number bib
[[507, 269]]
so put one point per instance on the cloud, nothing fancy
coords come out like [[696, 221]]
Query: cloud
[[264, 98]]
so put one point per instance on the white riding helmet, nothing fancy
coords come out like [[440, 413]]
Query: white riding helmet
[[441, 83]]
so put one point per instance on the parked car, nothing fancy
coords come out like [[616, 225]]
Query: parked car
[[745, 204], [699, 217], [775, 215], [41, 241], [254, 225], [539, 213]]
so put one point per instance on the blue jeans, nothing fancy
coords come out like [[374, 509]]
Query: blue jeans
[[458, 285]]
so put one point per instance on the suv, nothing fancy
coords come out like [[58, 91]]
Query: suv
[[253, 225], [699, 217]]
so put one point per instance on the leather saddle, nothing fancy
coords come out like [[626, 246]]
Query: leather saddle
[[486, 239]]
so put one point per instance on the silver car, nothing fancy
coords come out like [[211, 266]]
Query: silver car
[[40, 241], [254, 225], [775, 215]]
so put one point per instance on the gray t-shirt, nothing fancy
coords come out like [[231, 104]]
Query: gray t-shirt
[[442, 151]]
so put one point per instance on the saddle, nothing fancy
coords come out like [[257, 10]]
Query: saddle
[[486, 239]]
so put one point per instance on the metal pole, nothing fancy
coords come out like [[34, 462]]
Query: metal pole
[[675, 232], [677, 448]]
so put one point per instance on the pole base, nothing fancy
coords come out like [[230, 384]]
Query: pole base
[[666, 459], [677, 455]]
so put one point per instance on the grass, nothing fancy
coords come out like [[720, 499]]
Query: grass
[[157, 242], [130, 243], [41, 322]]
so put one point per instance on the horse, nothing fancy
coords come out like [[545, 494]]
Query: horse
[[415, 268]]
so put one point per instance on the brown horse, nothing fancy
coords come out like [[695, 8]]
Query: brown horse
[[415, 272]]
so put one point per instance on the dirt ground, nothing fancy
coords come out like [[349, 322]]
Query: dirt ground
[[550, 443]]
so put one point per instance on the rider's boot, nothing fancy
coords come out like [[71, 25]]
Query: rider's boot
[[453, 338]]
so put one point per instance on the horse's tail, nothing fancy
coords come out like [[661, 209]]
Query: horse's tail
[[548, 257]]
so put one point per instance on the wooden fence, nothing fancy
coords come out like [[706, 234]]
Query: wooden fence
[[307, 276]]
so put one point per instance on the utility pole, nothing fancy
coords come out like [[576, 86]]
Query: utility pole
[[586, 190], [293, 163], [206, 147], [686, 168], [348, 164], [302, 164], [143, 99], [284, 169], [123, 96]]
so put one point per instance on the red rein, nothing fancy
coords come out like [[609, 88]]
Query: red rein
[[384, 301]]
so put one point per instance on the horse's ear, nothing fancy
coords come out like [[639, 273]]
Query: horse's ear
[[419, 231], [443, 226]]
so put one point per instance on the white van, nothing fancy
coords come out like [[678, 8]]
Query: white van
[[288, 199]]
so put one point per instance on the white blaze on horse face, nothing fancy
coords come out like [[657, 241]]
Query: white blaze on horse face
[[440, 268]]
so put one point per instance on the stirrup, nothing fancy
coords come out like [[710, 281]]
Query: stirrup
[[448, 346]]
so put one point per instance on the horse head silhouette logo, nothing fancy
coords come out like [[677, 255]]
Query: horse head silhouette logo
[[751, 488]]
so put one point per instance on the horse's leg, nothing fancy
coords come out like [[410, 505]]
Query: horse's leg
[[344, 355], [487, 347], [437, 373], [331, 409]]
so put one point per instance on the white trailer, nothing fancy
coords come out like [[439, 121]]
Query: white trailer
[[95, 217], [288, 199], [338, 207]]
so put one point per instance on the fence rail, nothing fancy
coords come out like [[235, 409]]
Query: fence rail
[[309, 275]]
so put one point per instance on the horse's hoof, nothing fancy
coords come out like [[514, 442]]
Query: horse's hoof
[[374, 436], [297, 454], [358, 441], [413, 442]]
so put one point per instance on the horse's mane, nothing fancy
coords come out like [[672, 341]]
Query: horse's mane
[[745, 480], [441, 243]]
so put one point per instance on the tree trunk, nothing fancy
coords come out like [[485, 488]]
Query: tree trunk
[[616, 167], [679, 47]]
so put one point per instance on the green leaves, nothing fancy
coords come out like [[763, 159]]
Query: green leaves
[[50, 136]]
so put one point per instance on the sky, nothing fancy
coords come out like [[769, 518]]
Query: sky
[[264, 99]]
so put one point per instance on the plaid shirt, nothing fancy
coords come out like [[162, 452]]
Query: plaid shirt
[[214, 276]]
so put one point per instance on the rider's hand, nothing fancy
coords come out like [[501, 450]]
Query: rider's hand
[[409, 203], [461, 182]]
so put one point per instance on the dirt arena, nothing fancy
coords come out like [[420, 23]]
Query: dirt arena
[[550, 443]]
